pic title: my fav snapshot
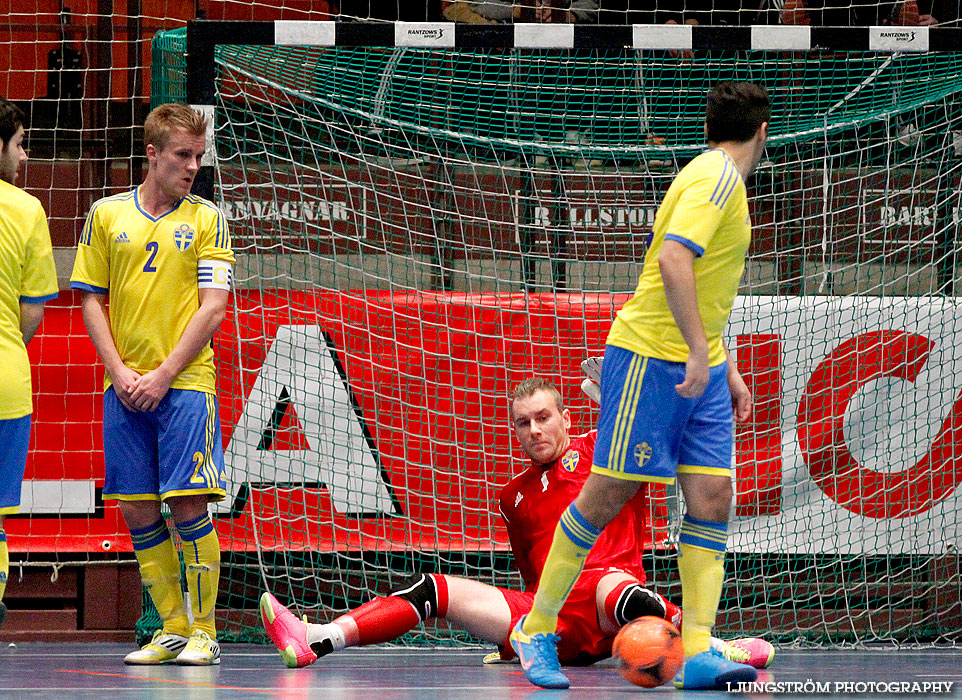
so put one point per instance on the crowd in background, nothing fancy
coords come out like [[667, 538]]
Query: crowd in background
[[743, 12]]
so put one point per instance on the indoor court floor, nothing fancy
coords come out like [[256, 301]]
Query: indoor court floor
[[77, 671]]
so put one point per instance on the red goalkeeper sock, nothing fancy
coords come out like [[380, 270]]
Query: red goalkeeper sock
[[378, 620], [386, 619]]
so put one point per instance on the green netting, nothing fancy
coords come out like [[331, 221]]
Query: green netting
[[411, 201], [168, 75], [618, 99]]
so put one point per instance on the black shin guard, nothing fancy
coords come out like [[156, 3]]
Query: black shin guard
[[421, 591], [637, 601]]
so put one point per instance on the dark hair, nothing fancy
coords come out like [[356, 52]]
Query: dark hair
[[735, 111], [531, 385], [11, 119]]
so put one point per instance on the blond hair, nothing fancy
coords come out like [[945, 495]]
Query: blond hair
[[531, 385], [167, 117]]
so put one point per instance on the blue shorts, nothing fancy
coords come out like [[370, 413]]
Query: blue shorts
[[648, 432], [175, 450], [14, 441]]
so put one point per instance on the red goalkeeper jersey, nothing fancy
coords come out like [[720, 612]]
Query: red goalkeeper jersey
[[533, 501]]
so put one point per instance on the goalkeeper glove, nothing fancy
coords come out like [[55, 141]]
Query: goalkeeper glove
[[592, 368], [592, 390]]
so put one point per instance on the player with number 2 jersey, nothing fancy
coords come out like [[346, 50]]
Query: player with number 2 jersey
[[151, 268], [163, 258]]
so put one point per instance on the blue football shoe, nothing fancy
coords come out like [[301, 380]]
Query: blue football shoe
[[710, 671], [538, 654]]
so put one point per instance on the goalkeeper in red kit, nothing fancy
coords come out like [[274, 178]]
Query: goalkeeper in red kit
[[609, 592]]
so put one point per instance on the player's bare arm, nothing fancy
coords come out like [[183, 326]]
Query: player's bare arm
[[741, 395], [150, 388], [676, 263], [30, 317], [94, 308]]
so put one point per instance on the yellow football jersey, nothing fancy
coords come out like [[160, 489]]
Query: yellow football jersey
[[705, 209], [27, 274], [149, 269]]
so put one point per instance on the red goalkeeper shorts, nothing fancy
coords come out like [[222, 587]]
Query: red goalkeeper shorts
[[582, 641]]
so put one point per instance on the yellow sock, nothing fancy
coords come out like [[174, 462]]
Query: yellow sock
[[4, 563], [573, 539], [160, 573], [202, 560], [701, 563]]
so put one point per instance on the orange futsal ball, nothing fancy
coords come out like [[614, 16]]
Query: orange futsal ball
[[649, 651]]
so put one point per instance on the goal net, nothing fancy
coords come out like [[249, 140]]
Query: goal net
[[419, 229]]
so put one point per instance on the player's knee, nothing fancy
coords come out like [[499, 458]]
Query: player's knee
[[602, 498], [707, 497], [721, 498], [636, 601], [428, 593]]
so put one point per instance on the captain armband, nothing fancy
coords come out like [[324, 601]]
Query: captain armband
[[214, 274]]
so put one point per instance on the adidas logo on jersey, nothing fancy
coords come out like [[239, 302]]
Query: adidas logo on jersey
[[122, 237]]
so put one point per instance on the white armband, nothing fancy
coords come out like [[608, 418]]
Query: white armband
[[214, 274]]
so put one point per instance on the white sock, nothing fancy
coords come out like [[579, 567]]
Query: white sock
[[318, 633]]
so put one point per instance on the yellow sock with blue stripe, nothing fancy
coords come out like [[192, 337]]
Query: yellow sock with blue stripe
[[160, 574], [701, 563], [573, 539], [4, 563], [202, 560]]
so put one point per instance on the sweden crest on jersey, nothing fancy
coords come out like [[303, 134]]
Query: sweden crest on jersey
[[183, 237], [570, 460]]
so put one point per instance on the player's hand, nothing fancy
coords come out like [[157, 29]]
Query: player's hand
[[696, 377], [149, 389], [123, 381], [592, 368], [741, 396], [495, 658], [591, 390]]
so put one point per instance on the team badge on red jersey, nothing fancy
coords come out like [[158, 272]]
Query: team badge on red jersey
[[569, 460]]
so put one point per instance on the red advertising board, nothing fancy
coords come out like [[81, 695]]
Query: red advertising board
[[380, 421], [427, 378]]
